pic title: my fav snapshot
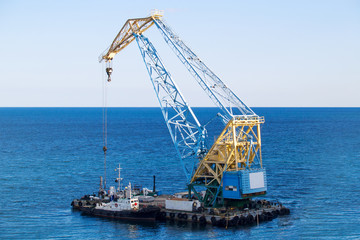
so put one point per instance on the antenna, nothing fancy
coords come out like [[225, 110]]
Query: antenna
[[118, 180]]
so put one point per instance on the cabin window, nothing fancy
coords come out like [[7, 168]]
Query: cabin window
[[230, 188]]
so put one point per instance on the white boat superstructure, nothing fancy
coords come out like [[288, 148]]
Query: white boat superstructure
[[120, 205], [122, 201]]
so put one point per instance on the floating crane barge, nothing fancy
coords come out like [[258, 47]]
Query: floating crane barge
[[221, 178], [167, 208]]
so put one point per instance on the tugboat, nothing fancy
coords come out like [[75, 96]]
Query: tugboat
[[119, 204]]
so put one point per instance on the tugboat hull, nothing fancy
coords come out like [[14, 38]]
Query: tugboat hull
[[144, 214]]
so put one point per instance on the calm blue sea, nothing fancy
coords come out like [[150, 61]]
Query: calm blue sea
[[48, 156]]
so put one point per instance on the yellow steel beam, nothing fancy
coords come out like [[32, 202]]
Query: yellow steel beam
[[230, 149], [126, 34]]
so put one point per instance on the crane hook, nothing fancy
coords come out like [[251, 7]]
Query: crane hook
[[109, 70]]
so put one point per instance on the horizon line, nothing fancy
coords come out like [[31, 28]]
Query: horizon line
[[159, 107]]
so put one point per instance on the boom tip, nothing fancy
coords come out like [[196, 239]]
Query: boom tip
[[157, 14]]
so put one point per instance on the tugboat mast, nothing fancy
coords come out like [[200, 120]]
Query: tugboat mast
[[119, 178]]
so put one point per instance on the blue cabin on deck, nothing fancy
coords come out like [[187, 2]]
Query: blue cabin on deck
[[244, 183]]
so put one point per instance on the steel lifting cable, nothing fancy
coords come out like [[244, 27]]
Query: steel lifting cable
[[105, 110], [104, 122]]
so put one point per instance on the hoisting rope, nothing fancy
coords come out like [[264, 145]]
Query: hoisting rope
[[104, 85]]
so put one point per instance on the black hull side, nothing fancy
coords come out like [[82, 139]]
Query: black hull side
[[145, 214]]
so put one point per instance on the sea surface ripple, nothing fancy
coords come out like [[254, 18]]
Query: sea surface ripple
[[49, 156]]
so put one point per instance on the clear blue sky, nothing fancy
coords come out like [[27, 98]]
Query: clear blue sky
[[271, 53]]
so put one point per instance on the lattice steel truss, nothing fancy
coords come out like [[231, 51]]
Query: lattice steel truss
[[218, 92], [185, 129], [239, 145]]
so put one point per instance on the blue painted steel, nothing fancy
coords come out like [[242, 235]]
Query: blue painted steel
[[245, 181], [230, 105], [218, 92], [236, 183], [186, 132], [231, 185]]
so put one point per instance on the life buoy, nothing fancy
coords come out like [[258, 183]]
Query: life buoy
[[194, 218], [242, 220], [264, 216], [250, 219], [172, 215], [202, 220], [213, 221], [185, 216], [277, 212], [222, 222], [179, 215], [274, 213], [282, 211], [270, 216], [235, 220], [287, 211]]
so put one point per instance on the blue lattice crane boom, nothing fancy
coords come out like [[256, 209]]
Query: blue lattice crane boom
[[231, 170], [218, 92], [185, 130]]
